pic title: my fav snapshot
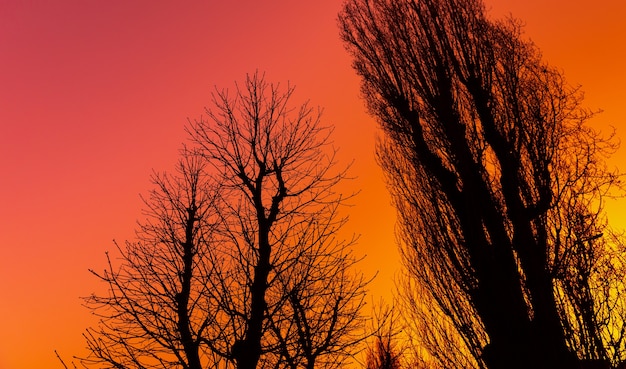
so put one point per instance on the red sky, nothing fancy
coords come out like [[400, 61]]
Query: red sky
[[94, 95]]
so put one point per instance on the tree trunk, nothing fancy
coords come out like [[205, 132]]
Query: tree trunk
[[190, 346]]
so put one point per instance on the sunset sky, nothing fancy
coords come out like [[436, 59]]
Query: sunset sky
[[94, 95]]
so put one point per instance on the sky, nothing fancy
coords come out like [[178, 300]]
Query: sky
[[95, 95]]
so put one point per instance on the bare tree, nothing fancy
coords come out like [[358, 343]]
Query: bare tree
[[498, 182], [287, 293], [384, 351], [156, 313], [238, 262], [383, 355]]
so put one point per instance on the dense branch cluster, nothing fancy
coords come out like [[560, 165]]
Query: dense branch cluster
[[238, 262], [498, 182]]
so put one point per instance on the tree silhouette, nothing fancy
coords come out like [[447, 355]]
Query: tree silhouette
[[498, 182], [383, 355], [383, 351], [286, 289], [238, 263], [156, 313]]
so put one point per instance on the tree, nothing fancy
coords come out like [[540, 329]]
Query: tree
[[383, 351], [498, 182], [286, 291], [383, 355], [156, 313], [238, 263]]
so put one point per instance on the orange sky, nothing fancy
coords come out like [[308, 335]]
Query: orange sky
[[94, 95]]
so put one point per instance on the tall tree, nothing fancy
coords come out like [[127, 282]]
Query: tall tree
[[286, 289], [498, 183], [238, 263]]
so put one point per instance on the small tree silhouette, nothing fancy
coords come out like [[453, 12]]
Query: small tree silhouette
[[156, 313], [383, 355]]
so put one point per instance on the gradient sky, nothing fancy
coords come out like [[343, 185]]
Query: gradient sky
[[94, 95]]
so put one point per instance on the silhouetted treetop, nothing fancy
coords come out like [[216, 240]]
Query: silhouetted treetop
[[238, 263], [497, 179]]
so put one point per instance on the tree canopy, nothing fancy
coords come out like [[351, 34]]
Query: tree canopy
[[238, 263], [498, 181]]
